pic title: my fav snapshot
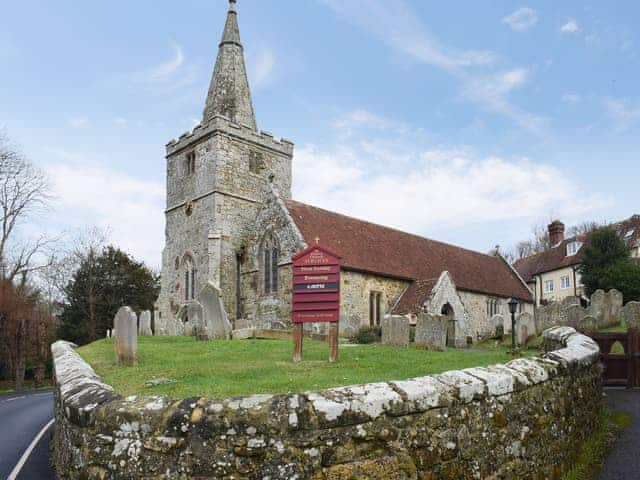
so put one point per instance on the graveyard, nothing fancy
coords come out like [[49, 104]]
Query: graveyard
[[220, 368]]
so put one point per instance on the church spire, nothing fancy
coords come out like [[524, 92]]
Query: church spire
[[229, 92]]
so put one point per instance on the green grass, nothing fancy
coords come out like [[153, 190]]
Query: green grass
[[243, 367], [594, 450], [7, 386], [619, 328]]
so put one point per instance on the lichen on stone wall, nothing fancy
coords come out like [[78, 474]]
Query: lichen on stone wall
[[519, 420]]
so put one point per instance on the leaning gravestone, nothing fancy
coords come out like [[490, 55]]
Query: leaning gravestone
[[144, 330], [126, 337], [431, 332], [525, 328], [598, 305], [215, 322], [631, 314], [395, 330]]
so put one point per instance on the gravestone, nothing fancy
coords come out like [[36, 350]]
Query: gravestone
[[498, 319], [597, 305], [188, 330], [145, 324], [126, 339], [525, 328], [575, 315], [431, 332], [215, 322], [395, 330], [522, 334], [108, 333], [349, 325], [631, 314], [194, 319], [615, 306], [589, 324]]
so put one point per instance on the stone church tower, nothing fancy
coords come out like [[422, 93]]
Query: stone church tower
[[218, 177]]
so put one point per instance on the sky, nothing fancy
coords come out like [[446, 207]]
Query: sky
[[467, 122]]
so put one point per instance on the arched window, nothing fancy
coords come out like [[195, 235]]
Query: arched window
[[270, 256], [189, 273]]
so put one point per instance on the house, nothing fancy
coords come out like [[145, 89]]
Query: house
[[553, 275]]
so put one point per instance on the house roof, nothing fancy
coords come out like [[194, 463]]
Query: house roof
[[380, 250], [547, 261], [629, 230], [556, 258]]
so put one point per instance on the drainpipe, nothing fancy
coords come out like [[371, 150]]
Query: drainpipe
[[575, 286]]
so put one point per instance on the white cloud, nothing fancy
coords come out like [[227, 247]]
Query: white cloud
[[78, 122], [262, 67], [396, 24], [450, 187], [522, 19], [120, 121], [169, 75], [571, 98], [571, 27], [91, 193]]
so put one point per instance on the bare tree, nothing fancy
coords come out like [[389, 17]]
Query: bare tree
[[24, 191]]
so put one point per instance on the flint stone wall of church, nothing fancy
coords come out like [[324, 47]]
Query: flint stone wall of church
[[225, 197], [355, 288], [523, 419]]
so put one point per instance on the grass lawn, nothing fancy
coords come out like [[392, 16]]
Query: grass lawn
[[244, 367]]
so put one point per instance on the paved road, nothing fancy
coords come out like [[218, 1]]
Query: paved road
[[624, 461], [22, 418]]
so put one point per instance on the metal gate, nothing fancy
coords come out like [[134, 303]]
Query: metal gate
[[620, 369]]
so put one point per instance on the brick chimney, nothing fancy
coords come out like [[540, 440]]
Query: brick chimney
[[556, 232]]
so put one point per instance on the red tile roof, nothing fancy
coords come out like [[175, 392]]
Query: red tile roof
[[547, 261], [414, 297], [372, 248]]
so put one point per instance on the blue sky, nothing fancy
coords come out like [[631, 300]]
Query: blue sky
[[467, 122]]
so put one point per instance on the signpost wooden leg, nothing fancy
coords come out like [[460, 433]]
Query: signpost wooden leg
[[297, 342], [333, 342]]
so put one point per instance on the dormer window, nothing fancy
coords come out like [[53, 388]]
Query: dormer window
[[191, 162], [573, 247]]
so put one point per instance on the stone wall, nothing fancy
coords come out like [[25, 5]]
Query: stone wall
[[519, 420]]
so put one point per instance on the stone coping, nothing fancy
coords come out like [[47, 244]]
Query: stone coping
[[84, 397]]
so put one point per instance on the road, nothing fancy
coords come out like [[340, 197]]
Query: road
[[623, 462], [24, 416]]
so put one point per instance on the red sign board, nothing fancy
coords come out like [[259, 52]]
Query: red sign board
[[316, 285]]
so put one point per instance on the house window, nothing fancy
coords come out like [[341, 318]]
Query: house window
[[255, 162], [191, 162], [565, 282], [374, 308], [189, 273], [573, 247], [630, 233], [548, 286], [270, 256]]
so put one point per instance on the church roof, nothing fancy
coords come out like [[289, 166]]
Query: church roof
[[229, 93], [372, 248]]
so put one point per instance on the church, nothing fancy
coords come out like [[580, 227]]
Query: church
[[230, 220]]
